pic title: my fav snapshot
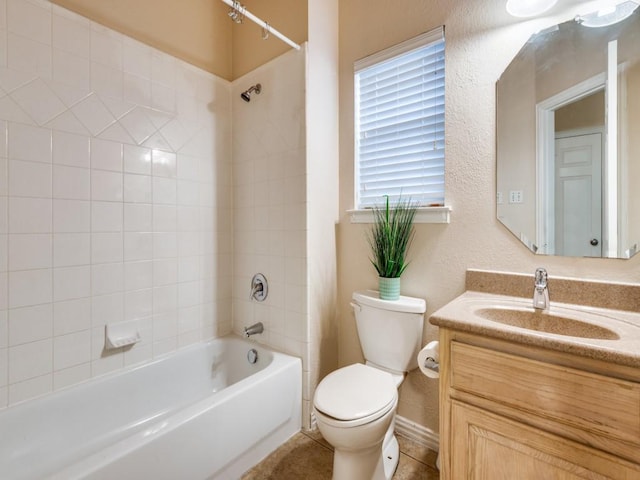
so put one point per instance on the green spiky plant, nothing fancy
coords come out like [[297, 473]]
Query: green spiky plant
[[391, 236]]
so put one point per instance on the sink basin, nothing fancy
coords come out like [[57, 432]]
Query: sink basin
[[545, 321]]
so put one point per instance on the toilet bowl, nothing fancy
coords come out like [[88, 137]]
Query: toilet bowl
[[355, 408]]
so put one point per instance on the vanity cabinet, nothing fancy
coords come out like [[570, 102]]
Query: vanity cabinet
[[516, 412], [492, 447]]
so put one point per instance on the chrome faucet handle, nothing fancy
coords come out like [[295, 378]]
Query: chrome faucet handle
[[541, 278], [541, 292], [259, 288]]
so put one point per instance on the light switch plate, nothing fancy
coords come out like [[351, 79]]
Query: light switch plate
[[515, 196]]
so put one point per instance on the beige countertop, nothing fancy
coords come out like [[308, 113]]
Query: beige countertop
[[616, 333]]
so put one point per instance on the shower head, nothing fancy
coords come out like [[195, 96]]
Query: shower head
[[246, 95]]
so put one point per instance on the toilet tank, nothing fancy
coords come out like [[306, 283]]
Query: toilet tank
[[390, 332]]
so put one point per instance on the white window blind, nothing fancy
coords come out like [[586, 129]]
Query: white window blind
[[399, 96]]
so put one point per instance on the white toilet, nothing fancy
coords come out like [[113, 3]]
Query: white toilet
[[355, 406]]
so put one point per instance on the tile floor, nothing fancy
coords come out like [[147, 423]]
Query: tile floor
[[306, 456]]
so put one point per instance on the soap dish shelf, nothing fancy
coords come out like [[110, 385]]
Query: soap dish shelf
[[120, 335]]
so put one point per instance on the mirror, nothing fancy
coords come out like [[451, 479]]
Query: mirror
[[568, 141]]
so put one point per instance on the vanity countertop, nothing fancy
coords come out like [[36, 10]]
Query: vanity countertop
[[622, 346]]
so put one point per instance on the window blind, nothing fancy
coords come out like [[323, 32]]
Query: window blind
[[399, 96]]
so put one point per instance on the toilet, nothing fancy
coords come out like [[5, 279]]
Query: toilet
[[355, 406]]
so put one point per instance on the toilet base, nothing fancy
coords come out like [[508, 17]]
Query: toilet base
[[378, 462], [390, 456]]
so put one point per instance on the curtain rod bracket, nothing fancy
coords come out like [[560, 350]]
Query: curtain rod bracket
[[238, 12]]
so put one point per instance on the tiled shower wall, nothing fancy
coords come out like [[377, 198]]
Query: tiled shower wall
[[115, 199], [270, 204]]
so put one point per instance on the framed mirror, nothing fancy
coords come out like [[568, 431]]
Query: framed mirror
[[568, 140]]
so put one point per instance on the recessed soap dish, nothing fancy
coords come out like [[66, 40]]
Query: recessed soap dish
[[118, 335]]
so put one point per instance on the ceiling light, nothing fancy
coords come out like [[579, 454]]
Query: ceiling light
[[529, 8], [608, 15]]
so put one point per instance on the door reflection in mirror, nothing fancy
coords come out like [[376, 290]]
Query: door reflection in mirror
[[568, 139]]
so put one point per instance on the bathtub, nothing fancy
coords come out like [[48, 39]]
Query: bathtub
[[203, 412]]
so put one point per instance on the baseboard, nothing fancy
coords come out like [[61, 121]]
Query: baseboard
[[417, 433], [408, 429]]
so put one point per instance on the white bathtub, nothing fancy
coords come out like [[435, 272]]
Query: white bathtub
[[204, 412]]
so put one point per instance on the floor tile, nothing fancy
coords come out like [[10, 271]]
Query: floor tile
[[308, 456], [300, 458], [411, 469], [417, 451]]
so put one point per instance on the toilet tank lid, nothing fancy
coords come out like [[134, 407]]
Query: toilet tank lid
[[354, 392], [403, 304]]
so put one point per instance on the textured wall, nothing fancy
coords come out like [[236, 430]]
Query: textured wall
[[481, 40], [322, 190], [250, 51], [197, 31]]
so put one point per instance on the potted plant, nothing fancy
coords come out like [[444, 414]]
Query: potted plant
[[390, 238]]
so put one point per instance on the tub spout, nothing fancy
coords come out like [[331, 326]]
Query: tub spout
[[253, 329]]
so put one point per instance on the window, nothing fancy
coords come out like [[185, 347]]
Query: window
[[399, 130]]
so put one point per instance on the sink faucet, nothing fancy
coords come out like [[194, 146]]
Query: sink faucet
[[253, 329], [541, 292]]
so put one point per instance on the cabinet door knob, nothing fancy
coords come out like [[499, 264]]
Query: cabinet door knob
[[594, 242]]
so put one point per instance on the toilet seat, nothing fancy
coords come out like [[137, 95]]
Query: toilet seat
[[334, 422], [355, 395]]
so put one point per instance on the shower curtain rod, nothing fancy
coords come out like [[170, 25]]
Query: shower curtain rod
[[243, 11]]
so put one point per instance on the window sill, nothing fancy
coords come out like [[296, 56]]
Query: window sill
[[423, 215]]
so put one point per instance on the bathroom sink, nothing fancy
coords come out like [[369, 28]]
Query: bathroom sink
[[588, 331], [545, 321]]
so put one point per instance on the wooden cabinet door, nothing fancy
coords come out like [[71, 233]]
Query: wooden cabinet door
[[486, 446]]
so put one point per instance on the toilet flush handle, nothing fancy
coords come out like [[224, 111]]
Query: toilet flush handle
[[356, 307]]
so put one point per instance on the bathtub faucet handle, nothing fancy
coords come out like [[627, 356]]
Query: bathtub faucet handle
[[256, 290], [259, 288], [253, 329]]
